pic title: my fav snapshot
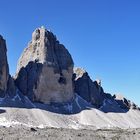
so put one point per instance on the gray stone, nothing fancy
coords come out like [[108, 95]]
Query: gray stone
[[45, 69], [124, 103], [87, 89], [93, 92], [11, 88], [4, 69]]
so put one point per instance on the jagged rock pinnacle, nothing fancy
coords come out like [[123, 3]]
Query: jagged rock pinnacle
[[4, 69], [45, 69]]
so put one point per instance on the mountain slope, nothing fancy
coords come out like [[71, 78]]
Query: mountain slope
[[46, 92], [78, 114]]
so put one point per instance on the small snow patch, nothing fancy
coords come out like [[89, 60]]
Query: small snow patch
[[76, 99], [16, 97], [2, 99], [33, 105]]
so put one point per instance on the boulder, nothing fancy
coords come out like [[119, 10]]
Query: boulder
[[45, 69], [4, 69], [89, 90]]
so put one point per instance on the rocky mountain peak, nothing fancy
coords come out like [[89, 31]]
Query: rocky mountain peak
[[42, 33], [45, 69], [7, 85], [93, 93], [79, 72], [90, 90], [98, 82], [45, 48], [4, 69], [125, 103]]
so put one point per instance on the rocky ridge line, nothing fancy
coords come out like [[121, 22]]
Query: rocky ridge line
[[93, 93], [45, 75], [45, 69]]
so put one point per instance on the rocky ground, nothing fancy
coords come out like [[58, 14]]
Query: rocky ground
[[26, 133]]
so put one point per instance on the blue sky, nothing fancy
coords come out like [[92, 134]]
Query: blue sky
[[103, 36]]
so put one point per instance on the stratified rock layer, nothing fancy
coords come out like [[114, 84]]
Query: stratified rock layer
[[45, 69], [4, 69]]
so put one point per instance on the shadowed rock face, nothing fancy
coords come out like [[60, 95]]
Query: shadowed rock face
[[87, 89], [93, 93], [45, 69], [4, 70], [125, 103]]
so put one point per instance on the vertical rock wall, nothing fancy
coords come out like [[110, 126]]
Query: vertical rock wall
[[90, 91], [4, 69], [45, 69]]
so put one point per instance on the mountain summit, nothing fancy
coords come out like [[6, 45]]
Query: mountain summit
[[45, 69], [4, 69]]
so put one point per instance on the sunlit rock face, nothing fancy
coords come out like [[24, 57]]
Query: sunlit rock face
[[4, 69], [45, 69]]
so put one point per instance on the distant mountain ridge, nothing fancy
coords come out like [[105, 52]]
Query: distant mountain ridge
[[93, 92]]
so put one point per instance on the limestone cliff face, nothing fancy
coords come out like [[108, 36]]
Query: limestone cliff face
[[87, 89], [125, 103], [45, 69], [4, 69], [93, 93]]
